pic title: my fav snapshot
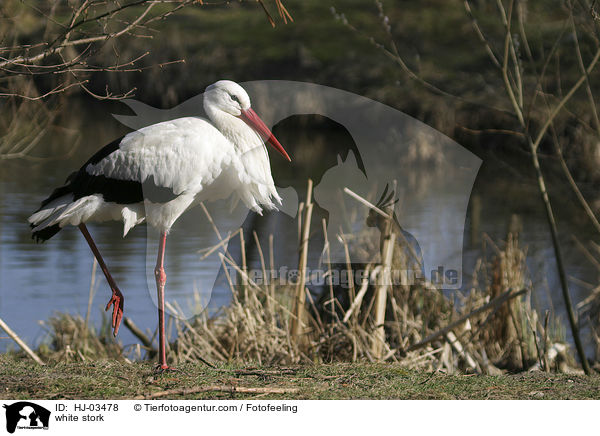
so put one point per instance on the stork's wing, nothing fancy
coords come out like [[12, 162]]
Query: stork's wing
[[158, 163]]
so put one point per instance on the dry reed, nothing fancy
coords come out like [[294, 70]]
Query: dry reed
[[490, 329], [497, 328], [70, 339]]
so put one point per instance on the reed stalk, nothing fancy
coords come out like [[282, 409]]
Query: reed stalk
[[385, 279], [20, 342], [300, 298], [91, 292]]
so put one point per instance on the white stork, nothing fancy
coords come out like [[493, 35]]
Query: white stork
[[158, 172]]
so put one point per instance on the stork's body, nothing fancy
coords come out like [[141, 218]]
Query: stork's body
[[160, 171]]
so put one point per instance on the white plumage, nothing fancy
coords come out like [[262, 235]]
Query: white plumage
[[194, 158], [158, 172]]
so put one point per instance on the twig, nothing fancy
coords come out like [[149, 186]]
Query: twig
[[359, 296], [366, 203], [588, 88], [582, 201], [224, 260], [266, 11], [260, 372], [500, 299], [545, 339], [480, 35], [20, 342], [537, 345], [135, 330], [455, 343], [565, 99], [210, 250], [217, 388], [589, 256], [81, 41]]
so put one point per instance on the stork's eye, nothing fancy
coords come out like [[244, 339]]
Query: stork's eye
[[234, 98]]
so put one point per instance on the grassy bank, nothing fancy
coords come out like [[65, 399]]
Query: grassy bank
[[21, 379]]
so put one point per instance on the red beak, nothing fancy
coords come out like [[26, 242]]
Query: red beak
[[254, 121]]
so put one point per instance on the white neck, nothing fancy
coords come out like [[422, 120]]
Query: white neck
[[258, 187], [241, 135]]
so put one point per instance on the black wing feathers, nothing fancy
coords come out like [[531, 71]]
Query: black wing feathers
[[103, 152], [45, 234], [120, 191], [81, 184]]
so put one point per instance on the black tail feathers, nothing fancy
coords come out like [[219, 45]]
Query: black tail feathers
[[44, 234]]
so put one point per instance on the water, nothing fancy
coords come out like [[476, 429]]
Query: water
[[36, 281]]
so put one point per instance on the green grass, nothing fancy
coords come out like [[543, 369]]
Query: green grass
[[22, 379]]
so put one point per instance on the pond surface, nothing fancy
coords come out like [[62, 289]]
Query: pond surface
[[38, 280]]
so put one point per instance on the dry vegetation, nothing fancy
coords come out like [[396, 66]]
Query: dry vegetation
[[493, 325], [490, 329], [71, 339]]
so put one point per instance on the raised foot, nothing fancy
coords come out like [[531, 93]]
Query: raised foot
[[116, 301]]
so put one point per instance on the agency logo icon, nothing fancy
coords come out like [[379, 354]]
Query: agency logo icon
[[25, 415]]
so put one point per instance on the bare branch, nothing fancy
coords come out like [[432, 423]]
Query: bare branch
[[592, 102], [566, 98]]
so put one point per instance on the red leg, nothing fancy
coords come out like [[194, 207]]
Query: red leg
[[161, 279], [117, 300]]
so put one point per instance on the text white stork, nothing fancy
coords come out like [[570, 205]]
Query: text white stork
[[159, 171]]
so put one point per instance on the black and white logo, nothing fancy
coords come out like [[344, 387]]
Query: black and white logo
[[26, 415]]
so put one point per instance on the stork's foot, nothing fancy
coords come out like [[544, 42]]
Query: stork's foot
[[164, 368], [116, 302]]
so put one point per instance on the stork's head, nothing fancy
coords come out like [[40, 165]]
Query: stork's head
[[230, 98]]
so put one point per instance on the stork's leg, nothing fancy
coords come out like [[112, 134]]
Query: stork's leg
[[117, 300], [161, 279]]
